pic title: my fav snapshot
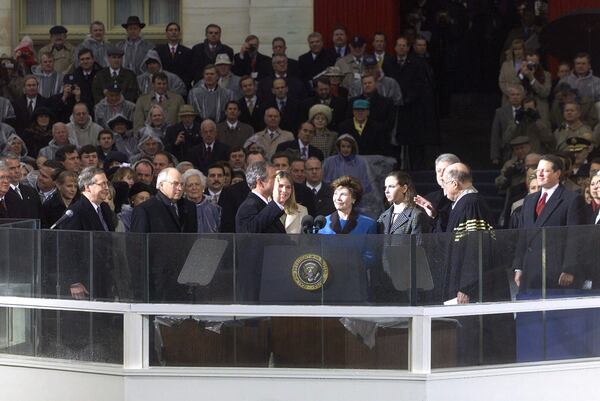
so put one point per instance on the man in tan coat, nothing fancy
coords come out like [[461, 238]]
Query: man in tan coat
[[169, 101], [60, 49], [269, 138]]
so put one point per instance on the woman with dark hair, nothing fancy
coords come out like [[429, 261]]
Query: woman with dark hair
[[403, 216], [347, 192], [39, 133]]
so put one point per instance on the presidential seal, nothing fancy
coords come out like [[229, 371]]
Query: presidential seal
[[310, 272]]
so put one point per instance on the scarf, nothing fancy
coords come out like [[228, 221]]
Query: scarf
[[350, 224]]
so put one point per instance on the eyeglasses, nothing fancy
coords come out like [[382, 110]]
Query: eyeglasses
[[176, 184]]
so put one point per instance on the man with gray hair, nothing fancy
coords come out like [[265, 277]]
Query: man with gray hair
[[211, 150], [60, 138], [165, 212], [436, 204]]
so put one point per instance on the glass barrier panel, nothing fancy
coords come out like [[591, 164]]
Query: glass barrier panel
[[79, 336], [19, 259], [20, 223]]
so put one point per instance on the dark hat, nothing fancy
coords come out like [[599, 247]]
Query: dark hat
[[69, 79], [113, 86], [114, 156], [42, 111], [369, 61], [119, 118], [114, 51], [57, 30], [519, 140], [360, 104], [357, 41], [138, 187], [133, 20], [577, 144]]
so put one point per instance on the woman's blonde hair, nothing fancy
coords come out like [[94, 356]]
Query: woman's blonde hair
[[290, 207]]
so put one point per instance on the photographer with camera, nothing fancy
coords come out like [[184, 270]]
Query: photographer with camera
[[250, 62], [513, 171], [537, 83]]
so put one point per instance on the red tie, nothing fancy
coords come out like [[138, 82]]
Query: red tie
[[541, 203]]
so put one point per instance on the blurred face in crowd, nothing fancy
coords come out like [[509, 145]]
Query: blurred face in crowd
[[518, 52], [595, 188], [4, 182], [515, 97], [306, 133], [208, 131], [369, 85], [72, 162], [582, 66], [360, 115], [319, 121], [343, 200], [237, 160], [316, 44], [44, 180], [401, 47], [139, 198], [272, 118], [31, 87], [281, 163], [133, 31], [210, 77], [115, 61], [173, 33], [571, 113], [187, 120], [213, 34], [157, 117], [297, 171], [547, 177], [143, 173], [89, 159], [172, 188], [106, 140], [232, 112], [80, 114], [394, 192], [86, 61], [113, 97], [439, 171], [60, 134], [47, 63], [278, 47], [563, 71], [68, 189], [151, 146], [160, 85], [450, 185], [280, 64], [98, 192], [97, 32], [357, 51], [420, 47], [160, 162], [194, 189], [248, 87], [280, 89], [594, 168], [313, 171], [215, 179], [43, 120], [345, 148], [323, 90], [339, 38], [226, 175], [14, 170], [58, 40], [379, 43], [520, 151], [15, 147], [533, 186]]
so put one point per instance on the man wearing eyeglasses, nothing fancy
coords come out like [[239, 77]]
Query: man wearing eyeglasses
[[165, 212]]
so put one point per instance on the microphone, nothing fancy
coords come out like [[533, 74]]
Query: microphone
[[68, 214], [307, 223], [319, 222]]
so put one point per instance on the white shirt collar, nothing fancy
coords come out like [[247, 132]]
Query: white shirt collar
[[260, 196], [114, 71], [550, 192], [318, 187], [232, 125]]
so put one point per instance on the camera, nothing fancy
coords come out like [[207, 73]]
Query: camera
[[531, 66], [517, 168]]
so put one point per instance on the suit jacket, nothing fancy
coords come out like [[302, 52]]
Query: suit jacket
[[22, 116], [333, 54], [256, 216], [323, 200], [499, 148], [230, 200], [201, 160], [381, 109], [262, 67], [257, 118], [563, 208], [85, 217], [126, 78], [202, 56], [296, 88], [180, 64], [234, 137], [310, 67], [192, 138], [412, 220], [85, 84], [291, 114], [295, 147], [371, 142], [156, 217], [29, 207]]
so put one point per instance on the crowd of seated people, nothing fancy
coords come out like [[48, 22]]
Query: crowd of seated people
[[181, 127]]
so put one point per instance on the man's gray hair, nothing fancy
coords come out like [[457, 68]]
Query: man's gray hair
[[58, 124], [86, 178], [163, 176], [516, 87], [450, 158], [460, 175], [194, 173], [3, 166], [208, 121], [10, 156], [257, 171]]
